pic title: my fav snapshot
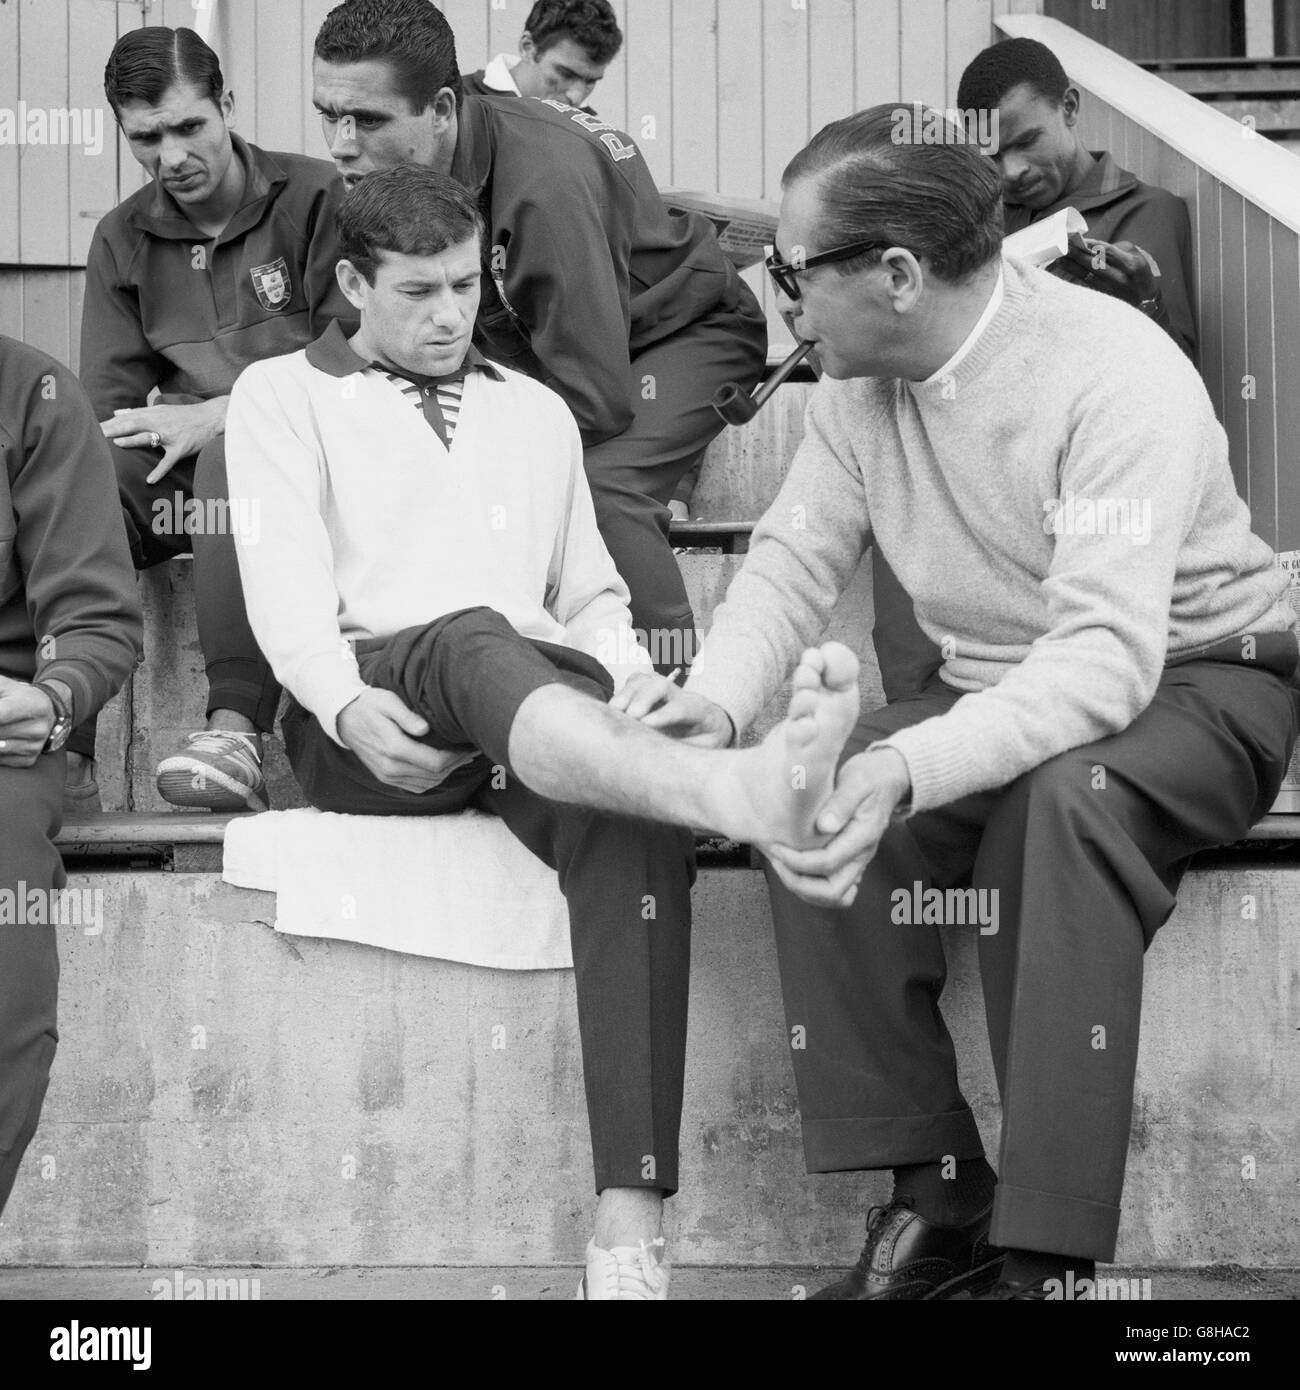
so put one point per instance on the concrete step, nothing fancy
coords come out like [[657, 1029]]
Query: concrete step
[[551, 1282], [225, 1096]]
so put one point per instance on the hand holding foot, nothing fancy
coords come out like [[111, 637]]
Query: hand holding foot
[[775, 791], [868, 790]]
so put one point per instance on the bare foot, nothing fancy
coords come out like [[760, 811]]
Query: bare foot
[[775, 791]]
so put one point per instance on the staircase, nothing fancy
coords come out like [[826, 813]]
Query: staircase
[[1265, 91]]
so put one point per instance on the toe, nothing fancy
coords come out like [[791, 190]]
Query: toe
[[839, 666]]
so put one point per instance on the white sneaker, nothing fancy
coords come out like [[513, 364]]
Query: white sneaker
[[217, 770], [627, 1272]]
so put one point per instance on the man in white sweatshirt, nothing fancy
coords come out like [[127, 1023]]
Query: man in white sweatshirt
[[1043, 470], [424, 573]]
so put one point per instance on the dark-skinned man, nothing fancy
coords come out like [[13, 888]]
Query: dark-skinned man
[[1046, 166]]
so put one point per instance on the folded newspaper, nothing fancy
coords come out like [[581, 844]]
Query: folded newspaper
[[747, 227]]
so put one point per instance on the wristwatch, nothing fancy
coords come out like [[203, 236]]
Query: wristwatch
[[62, 727]]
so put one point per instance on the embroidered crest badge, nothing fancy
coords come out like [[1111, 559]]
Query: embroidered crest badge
[[272, 284]]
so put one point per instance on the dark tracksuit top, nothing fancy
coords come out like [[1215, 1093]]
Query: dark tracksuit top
[[595, 269], [473, 84], [167, 307], [68, 604], [1118, 206]]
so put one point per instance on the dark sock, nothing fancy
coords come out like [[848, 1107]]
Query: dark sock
[[951, 1201], [1035, 1266]]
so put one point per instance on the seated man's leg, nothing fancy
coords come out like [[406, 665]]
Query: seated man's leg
[[155, 530], [220, 769], [30, 814], [1086, 853], [634, 475], [874, 1063], [627, 883], [906, 656]]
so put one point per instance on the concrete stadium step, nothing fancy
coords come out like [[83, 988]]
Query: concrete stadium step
[[515, 1282], [226, 1096]]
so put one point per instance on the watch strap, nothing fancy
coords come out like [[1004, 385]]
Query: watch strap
[[62, 725]]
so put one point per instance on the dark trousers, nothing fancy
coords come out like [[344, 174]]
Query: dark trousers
[[239, 678], [907, 658], [1085, 854], [633, 475], [627, 882], [31, 809]]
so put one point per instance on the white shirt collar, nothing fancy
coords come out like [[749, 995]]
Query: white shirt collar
[[990, 310], [499, 73]]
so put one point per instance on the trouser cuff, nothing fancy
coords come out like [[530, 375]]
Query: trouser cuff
[[609, 1174], [836, 1146], [244, 687], [1054, 1224]]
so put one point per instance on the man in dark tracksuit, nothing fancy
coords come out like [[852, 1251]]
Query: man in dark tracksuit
[[70, 632], [634, 317], [1045, 167], [224, 259]]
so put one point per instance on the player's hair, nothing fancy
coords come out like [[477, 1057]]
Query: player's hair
[[146, 63], [591, 24], [990, 75], [411, 36], [878, 180], [408, 209]]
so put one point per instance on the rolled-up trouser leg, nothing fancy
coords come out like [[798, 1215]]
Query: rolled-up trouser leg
[[873, 1059], [239, 676], [1087, 852], [30, 813], [633, 475]]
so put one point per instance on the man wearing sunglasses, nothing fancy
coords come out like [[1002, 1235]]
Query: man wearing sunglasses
[[1116, 695]]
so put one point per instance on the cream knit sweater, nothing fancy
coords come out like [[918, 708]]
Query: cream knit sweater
[[1060, 508]]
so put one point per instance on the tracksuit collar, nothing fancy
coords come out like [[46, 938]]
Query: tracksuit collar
[[161, 216], [471, 165], [333, 354]]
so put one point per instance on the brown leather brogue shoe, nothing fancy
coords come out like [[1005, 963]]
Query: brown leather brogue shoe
[[907, 1256]]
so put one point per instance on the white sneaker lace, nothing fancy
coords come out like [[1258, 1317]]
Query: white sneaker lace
[[226, 742], [634, 1274]]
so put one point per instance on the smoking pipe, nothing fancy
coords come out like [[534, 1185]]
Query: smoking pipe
[[736, 408]]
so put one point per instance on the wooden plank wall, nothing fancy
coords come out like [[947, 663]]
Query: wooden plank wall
[[1247, 293], [718, 93]]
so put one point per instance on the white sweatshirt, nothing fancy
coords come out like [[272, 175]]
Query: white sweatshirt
[[366, 524]]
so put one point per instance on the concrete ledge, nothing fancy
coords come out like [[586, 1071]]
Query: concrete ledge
[[786, 1283], [225, 1096]]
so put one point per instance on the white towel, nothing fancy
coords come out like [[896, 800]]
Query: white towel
[[458, 887]]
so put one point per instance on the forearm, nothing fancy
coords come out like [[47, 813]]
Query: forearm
[[79, 582], [287, 568]]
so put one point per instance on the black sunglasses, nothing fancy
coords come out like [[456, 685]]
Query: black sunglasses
[[784, 272]]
